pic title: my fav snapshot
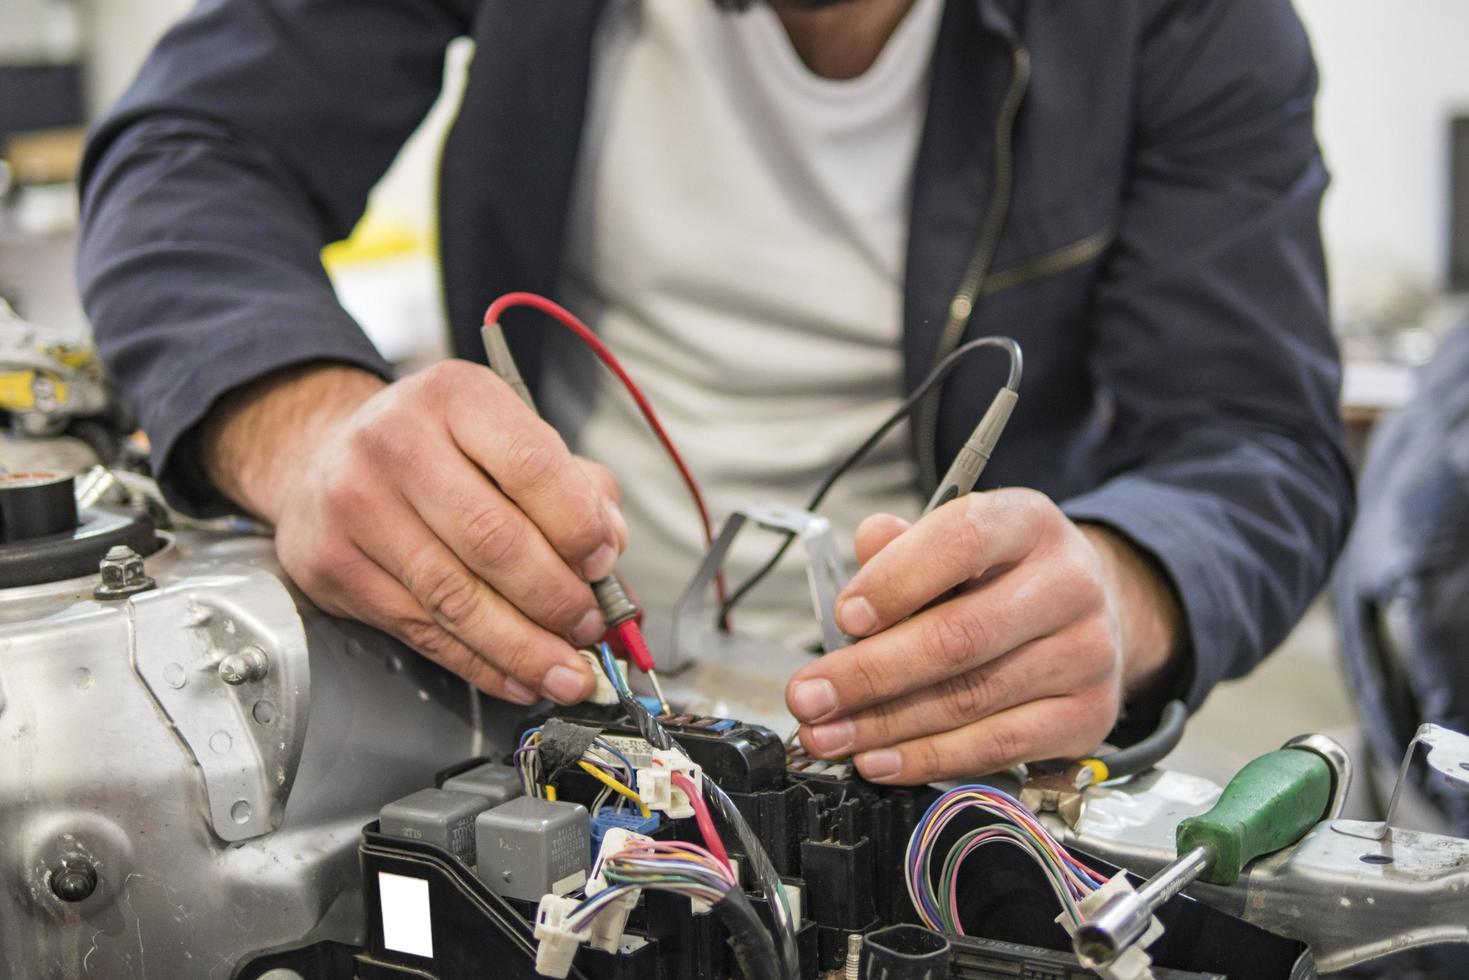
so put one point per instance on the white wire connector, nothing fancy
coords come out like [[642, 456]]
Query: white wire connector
[[1132, 963], [616, 840], [556, 943], [608, 926], [656, 787], [603, 692]]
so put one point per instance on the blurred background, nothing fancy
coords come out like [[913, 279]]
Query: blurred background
[[1393, 120]]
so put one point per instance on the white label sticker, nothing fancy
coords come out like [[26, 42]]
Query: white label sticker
[[637, 750], [408, 925]]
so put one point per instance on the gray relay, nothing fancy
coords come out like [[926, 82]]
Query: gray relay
[[495, 782], [530, 847], [436, 816]]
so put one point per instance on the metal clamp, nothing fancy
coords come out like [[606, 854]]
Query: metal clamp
[[1337, 759], [825, 573], [1448, 754]]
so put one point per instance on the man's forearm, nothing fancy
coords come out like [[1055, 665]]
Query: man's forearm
[[259, 435]]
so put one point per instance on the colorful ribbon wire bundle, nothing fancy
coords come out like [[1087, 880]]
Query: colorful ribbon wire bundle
[[676, 866], [938, 907]]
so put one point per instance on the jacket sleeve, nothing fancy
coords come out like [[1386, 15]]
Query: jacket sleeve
[[251, 138], [1224, 456]]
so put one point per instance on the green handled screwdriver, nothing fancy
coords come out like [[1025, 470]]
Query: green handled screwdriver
[[1269, 805]]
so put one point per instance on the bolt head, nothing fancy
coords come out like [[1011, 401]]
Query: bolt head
[[74, 880], [122, 574], [233, 669], [244, 665]]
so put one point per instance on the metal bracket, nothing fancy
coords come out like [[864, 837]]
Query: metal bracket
[[245, 732], [1448, 754], [825, 573]]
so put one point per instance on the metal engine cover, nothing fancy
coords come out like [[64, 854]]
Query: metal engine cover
[[184, 773]]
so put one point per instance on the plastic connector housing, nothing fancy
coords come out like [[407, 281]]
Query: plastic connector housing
[[608, 926], [603, 692], [608, 818], [556, 944], [615, 840], [656, 787]]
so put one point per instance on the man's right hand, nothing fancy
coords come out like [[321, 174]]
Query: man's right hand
[[438, 508]]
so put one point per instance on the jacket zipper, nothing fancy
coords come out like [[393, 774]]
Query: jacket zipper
[[1079, 252], [962, 304]]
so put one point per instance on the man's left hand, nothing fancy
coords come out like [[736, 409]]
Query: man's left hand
[[993, 632]]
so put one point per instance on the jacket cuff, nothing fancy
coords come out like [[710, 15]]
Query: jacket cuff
[[241, 354], [1161, 522]]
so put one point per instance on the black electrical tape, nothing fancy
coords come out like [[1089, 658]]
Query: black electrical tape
[[563, 744], [1150, 751], [655, 734], [753, 950]]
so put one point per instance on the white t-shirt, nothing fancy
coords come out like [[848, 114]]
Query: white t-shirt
[[737, 236]]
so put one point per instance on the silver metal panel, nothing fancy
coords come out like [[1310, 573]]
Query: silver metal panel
[[1354, 900], [92, 767]]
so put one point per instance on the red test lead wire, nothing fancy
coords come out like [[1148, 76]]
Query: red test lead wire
[[569, 320], [637, 647]]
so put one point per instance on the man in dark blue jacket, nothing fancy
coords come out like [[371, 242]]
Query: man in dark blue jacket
[[782, 216]]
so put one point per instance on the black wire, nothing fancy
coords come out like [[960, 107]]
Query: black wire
[[763, 870], [753, 950], [1144, 755], [935, 377]]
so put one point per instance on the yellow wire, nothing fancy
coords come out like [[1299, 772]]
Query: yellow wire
[[551, 792], [615, 786]]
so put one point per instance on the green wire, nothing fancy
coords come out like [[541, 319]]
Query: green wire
[[949, 873]]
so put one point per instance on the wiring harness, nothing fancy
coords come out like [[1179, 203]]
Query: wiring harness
[[602, 761], [936, 898], [762, 869]]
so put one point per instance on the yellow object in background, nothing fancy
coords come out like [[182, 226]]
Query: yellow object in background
[[373, 240], [31, 391]]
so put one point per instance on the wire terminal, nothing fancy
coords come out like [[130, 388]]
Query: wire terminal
[[655, 783], [608, 926], [556, 942]]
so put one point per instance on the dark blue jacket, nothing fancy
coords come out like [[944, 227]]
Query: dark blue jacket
[[1129, 188], [1402, 593]]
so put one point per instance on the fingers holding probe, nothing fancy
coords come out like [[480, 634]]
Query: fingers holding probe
[[444, 512], [984, 639]]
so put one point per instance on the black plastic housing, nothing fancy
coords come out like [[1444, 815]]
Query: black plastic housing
[[741, 758], [839, 838]]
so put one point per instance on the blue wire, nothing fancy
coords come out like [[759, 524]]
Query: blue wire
[[609, 667], [606, 746]]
